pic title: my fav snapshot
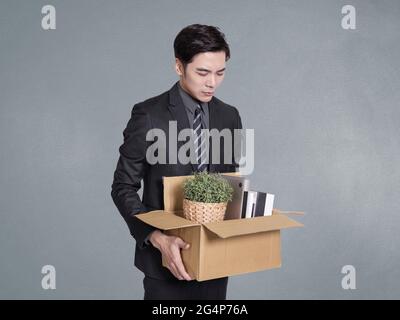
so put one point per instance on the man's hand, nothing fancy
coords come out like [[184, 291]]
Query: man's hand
[[170, 248]]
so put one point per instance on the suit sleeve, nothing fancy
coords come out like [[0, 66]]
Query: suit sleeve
[[129, 173]]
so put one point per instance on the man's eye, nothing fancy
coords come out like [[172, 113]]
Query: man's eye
[[220, 74], [202, 74]]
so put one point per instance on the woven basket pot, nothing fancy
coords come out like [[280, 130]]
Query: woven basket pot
[[204, 212]]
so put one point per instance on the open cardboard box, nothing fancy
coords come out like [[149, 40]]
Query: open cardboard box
[[224, 248]]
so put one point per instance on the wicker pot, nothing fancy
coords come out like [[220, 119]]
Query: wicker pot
[[204, 212]]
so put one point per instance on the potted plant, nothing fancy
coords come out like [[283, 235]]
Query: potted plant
[[206, 196]]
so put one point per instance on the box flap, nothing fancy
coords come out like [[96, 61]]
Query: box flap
[[165, 220], [238, 227]]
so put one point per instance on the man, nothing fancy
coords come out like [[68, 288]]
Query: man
[[200, 56]]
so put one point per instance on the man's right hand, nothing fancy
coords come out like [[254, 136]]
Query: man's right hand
[[170, 248]]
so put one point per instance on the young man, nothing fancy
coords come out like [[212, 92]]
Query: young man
[[200, 56]]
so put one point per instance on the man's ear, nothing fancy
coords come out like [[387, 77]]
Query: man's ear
[[179, 67]]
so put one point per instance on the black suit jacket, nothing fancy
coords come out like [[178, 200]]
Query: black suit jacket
[[132, 167]]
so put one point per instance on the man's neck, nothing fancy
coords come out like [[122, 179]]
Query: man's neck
[[186, 91]]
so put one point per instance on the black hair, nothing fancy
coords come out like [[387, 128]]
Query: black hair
[[198, 38]]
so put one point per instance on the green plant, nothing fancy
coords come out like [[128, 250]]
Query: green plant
[[207, 187]]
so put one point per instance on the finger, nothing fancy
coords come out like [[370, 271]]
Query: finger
[[182, 271], [182, 244], [174, 271]]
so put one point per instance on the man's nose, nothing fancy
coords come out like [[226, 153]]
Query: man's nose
[[211, 81]]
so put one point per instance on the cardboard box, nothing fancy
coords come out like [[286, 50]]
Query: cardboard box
[[222, 248]]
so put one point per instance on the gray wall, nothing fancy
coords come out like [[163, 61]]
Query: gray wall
[[324, 103]]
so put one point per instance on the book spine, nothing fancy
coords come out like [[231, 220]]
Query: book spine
[[269, 204], [260, 204], [249, 205], [244, 204]]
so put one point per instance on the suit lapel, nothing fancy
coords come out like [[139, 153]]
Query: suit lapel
[[178, 113], [177, 108]]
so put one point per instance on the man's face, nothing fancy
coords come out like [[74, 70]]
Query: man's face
[[203, 75]]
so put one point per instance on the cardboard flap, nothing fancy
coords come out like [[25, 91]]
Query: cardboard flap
[[294, 213], [165, 220], [238, 227]]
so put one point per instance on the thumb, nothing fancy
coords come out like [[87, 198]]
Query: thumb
[[182, 244]]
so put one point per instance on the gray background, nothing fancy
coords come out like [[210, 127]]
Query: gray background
[[323, 102]]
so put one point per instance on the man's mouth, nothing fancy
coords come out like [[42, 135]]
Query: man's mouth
[[208, 93]]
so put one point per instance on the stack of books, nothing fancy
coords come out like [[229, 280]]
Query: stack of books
[[257, 204], [247, 203]]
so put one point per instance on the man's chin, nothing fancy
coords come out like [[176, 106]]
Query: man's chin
[[205, 98]]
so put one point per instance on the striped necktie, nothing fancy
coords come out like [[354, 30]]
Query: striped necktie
[[199, 141]]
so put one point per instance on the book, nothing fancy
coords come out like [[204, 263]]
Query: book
[[269, 204], [249, 203]]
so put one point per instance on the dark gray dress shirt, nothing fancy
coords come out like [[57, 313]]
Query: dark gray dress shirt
[[191, 105]]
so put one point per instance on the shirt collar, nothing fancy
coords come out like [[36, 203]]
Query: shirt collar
[[190, 102]]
